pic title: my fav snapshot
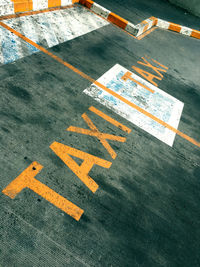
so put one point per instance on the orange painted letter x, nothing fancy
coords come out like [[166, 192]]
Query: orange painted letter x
[[101, 136]]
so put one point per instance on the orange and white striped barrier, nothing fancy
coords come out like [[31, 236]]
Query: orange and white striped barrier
[[110, 16], [145, 25], [9, 7], [140, 28], [177, 28]]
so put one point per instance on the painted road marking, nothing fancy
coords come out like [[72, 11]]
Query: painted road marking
[[64, 152], [48, 29], [27, 180], [110, 120], [134, 89], [149, 76], [128, 76], [106, 89], [101, 136]]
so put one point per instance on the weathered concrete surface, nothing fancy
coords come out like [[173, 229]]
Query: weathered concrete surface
[[193, 6], [146, 211]]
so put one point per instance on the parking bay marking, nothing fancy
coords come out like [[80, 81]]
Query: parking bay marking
[[143, 94], [85, 76]]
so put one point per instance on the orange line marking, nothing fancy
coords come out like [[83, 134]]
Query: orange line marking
[[146, 33], [101, 136], [127, 76], [148, 64], [109, 119], [85, 76], [163, 66], [27, 180]]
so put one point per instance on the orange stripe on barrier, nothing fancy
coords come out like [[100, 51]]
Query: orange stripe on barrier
[[174, 27], [22, 5], [195, 34], [155, 21], [53, 3], [122, 23], [87, 3], [85, 76], [112, 23], [146, 27]]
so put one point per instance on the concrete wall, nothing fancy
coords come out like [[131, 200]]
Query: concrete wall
[[193, 6]]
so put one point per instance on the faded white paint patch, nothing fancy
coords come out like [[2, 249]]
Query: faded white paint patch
[[159, 103], [66, 2], [48, 29], [163, 24], [6, 7], [40, 4]]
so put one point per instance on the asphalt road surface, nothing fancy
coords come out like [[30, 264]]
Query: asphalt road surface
[[140, 206]]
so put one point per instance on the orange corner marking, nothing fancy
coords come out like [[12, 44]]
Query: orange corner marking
[[146, 33]]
